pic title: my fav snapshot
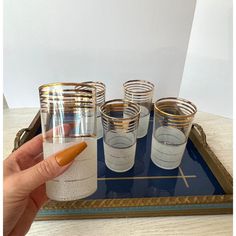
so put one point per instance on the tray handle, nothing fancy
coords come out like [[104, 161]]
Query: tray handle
[[17, 141], [200, 130]]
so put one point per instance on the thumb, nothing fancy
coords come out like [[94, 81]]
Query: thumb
[[49, 168]]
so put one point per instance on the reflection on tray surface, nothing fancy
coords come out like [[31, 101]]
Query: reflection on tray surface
[[145, 179]]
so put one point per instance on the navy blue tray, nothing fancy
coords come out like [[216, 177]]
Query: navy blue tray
[[201, 185]]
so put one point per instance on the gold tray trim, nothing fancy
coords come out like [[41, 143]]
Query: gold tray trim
[[134, 202]]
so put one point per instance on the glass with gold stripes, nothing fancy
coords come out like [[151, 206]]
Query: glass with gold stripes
[[140, 92], [68, 116], [120, 123], [173, 119]]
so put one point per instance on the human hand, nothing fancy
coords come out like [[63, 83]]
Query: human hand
[[25, 174]]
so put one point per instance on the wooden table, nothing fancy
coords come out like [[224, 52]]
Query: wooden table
[[219, 137]]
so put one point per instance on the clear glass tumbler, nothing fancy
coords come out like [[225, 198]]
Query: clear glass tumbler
[[173, 121], [100, 99], [140, 92], [68, 116], [120, 120]]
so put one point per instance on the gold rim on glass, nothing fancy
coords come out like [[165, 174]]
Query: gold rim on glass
[[116, 105], [62, 84], [176, 103]]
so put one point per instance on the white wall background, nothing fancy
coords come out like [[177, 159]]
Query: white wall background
[[207, 78], [115, 40], [108, 40]]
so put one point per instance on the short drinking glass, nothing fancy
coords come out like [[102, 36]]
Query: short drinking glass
[[173, 121], [120, 123]]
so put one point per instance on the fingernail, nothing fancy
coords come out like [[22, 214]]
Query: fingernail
[[69, 154]]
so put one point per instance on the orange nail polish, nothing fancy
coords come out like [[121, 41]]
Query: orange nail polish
[[69, 154]]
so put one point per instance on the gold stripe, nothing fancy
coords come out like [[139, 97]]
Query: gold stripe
[[151, 177], [69, 136], [184, 177], [64, 84]]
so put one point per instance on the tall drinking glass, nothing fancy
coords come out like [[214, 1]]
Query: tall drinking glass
[[120, 123], [68, 116], [100, 99], [140, 92], [173, 121]]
